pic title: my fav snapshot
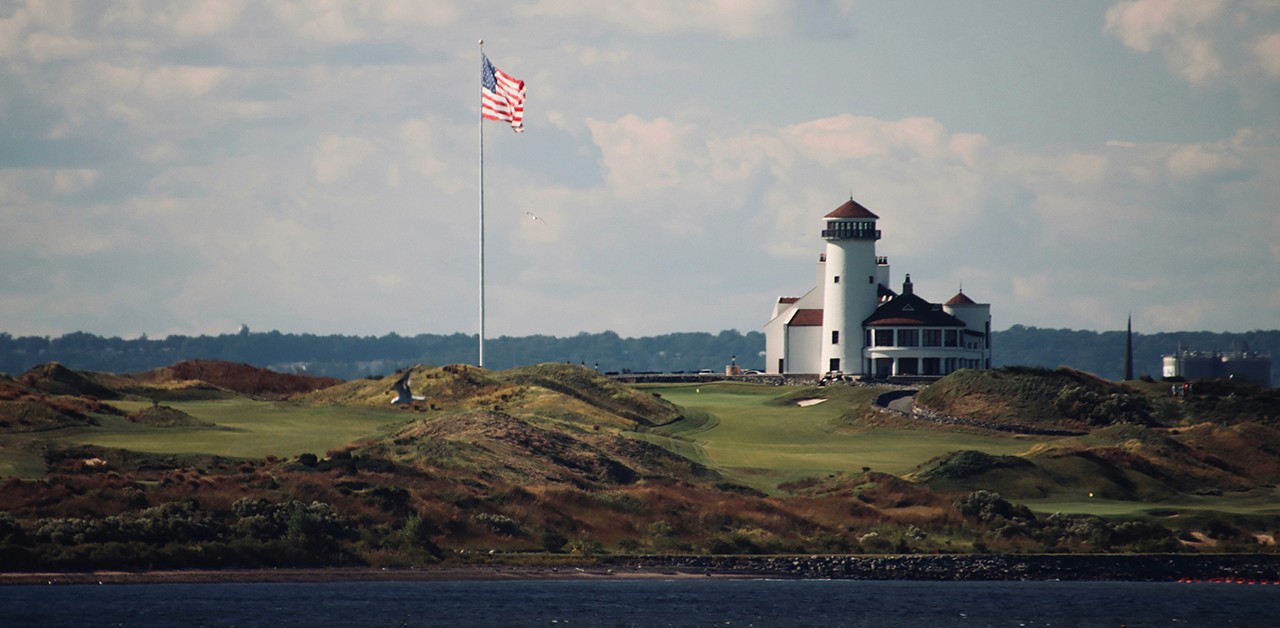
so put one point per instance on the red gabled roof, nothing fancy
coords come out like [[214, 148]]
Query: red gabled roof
[[788, 299], [806, 318], [960, 299], [851, 209]]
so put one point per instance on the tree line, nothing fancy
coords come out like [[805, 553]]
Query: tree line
[[350, 357]]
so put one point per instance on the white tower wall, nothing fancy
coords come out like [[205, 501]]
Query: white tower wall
[[849, 285], [882, 271], [976, 316]]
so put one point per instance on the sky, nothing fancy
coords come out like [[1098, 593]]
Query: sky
[[314, 166]]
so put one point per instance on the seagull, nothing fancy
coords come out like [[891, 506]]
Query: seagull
[[403, 395], [532, 216]]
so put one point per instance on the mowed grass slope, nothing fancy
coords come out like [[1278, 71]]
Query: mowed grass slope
[[759, 436], [243, 428]]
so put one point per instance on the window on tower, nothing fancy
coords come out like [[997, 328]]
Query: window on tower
[[837, 279], [835, 337]]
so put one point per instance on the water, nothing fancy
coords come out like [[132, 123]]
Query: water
[[566, 603]]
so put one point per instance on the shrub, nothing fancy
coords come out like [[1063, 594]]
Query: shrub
[[583, 545], [990, 507], [620, 501], [554, 542], [500, 524]]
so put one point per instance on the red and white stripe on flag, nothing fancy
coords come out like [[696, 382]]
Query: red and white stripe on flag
[[501, 96]]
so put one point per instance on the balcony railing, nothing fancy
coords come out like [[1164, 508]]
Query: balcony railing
[[846, 234]]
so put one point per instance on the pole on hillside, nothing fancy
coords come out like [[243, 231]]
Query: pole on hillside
[[480, 361]]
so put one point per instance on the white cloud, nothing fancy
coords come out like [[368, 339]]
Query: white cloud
[[335, 157], [415, 13], [596, 56], [728, 18], [46, 47], [75, 181], [1196, 160], [287, 164], [424, 144], [1268, 52], [645, 157], [206, 17], [1202, 41], [327, 21]]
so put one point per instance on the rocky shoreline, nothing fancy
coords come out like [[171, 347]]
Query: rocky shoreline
[[1240, 568], [1128, 567]]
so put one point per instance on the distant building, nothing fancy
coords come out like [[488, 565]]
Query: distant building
[[854, 327], [1242, 365]]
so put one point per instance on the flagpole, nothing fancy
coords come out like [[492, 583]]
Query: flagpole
[[480, 362]]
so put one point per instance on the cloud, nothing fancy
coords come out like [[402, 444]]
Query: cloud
[[645, 157], [736, 19], [1202, 41], [335, 157], [289, 164], [1268, 51]]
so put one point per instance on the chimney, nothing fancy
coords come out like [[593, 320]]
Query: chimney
[[906, 285]]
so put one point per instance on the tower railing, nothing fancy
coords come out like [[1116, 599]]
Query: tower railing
[[845, 234]]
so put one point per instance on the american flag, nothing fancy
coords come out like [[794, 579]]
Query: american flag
[[501, 96]]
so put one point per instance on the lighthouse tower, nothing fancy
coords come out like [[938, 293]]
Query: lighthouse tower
[[849, 288]]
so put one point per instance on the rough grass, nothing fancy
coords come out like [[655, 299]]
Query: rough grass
[[570, 394], [165, 416], [567, 425], [209, 379], [1021, 395]]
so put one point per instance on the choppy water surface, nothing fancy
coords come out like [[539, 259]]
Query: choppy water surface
[[644, 603]]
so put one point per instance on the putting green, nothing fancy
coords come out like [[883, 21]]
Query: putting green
[[762, 444]]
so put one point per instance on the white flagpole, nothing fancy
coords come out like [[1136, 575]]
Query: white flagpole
[[480, 363]]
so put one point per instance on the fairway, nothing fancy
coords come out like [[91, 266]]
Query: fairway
[[759, 444], [1262, 502], [244, 428]]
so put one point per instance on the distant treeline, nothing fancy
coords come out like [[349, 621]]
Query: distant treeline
[[1102, 353], [349, 357]]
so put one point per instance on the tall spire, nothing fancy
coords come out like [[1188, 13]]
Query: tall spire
[[1128, 350]]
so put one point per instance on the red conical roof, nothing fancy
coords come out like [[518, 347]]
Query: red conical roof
[[960, 299], [851, 209]]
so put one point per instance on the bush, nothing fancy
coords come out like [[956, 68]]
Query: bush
[[500, 524], [990, 507], [553, 541]]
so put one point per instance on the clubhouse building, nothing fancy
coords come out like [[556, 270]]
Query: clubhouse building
[[850, 326]]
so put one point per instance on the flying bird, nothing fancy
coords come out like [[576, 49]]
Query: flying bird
[[532, 216], [403, 395]]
